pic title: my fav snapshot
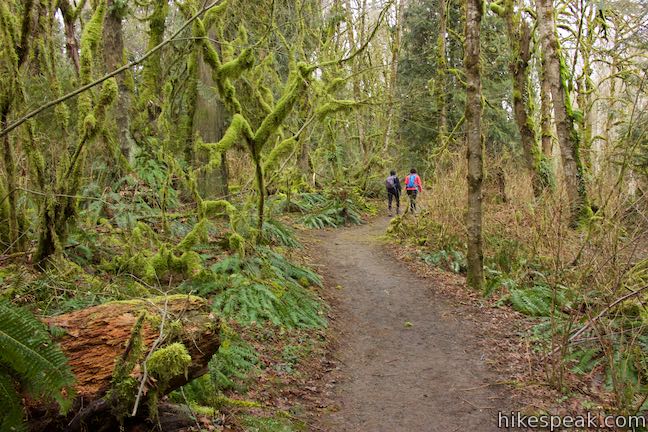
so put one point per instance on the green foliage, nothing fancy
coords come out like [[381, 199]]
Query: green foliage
[[495, 280], [232, 365], [270, 424], [539, 300], [168, 362], [280, 234], [452, 259], [332, 209], [31, 359], [267, 287]]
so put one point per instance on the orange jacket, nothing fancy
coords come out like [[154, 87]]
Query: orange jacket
[[417, 183]]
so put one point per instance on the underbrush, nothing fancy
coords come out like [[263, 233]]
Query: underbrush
[[584, 288], [331, 208], [139, 240]]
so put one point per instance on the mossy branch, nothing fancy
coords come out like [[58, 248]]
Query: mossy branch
[[294, 89], [279, 151], [335, 106], [234, 68], [239, 130]]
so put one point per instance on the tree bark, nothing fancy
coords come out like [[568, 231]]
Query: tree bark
[[519, 36], [71, 44], [393, 72], [545, 116], [473, 10], [114, 57], [442, 73], [568, 137], [97, 338], [357, 93], [209, 123], [14, 229]]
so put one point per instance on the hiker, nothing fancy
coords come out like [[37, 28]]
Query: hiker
[[393, 191], [413, 187]]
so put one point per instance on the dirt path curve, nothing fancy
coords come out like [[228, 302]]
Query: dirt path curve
[[407, 361]]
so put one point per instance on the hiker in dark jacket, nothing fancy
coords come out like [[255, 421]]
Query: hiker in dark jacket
[[393, 191]]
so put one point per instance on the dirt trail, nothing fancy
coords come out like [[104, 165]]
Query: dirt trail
[[408, 362]]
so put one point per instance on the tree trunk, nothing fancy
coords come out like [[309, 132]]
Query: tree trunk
[[209, 123], [357, 93], [519, 36], [442, 73], [71, 43], [393, 73], [473, 113], [545, 116], [9, 161], [99, 339], [114, 57], [568, 137]]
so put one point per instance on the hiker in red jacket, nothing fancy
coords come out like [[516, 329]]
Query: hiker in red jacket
[[413, 187]]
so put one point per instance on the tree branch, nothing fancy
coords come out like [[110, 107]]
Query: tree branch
[[88, 86]]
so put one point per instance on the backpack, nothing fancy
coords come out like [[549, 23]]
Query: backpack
[[411, 181], [390, 183]]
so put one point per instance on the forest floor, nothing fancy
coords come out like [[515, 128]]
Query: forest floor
[[408, 357]]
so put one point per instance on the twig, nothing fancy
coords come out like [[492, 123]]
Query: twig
[[600, 315], [475, 406], [153, 347]]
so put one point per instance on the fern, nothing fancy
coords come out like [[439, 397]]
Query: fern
[[267, 287], [30, 355], [536, 301], [231, 366], [11, 419], [337, 208], [288, 269], [279, 234]]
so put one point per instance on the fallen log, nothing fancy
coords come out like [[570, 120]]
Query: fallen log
[[111, 349]]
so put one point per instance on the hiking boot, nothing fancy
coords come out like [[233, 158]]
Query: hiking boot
[[389, 214]]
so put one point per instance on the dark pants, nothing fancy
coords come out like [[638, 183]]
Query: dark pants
[[412, 197], [393, 195]]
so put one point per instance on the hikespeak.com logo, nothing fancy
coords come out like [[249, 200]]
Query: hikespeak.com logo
[[589, 421]]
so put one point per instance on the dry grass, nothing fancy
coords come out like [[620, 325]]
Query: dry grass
[[530, 242]]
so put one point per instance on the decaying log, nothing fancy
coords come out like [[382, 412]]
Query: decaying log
[[96, 338]]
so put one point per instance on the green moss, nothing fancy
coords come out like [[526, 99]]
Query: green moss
[[142, 235], [295, 87], [234, 68], [335, 85], [108, 94], [239, 130], [214, 208], [223, 401], [160, 300], [279, 151], [123, 386], [89, 124], [90, 39], [197, 235], [334, 107], [237, 244], [168, 362], [215, 13]]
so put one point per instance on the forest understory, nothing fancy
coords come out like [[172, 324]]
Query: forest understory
[[193, 214]]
